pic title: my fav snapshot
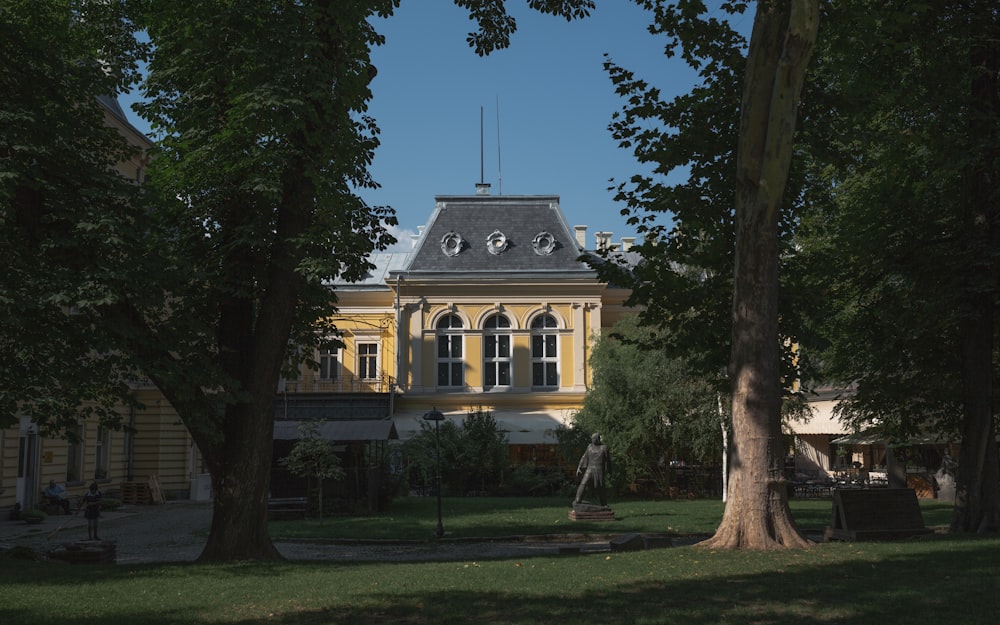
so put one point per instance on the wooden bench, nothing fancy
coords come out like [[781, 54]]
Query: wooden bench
[[875, 514], [285, 507]]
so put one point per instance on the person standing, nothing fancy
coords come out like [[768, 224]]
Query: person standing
[[91, 504], [595, 465]]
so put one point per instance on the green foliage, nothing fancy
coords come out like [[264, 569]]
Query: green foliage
[[473, 455], [894, 240], [684, 207], [34, 515], [496, 25], [313, 456], [528, 479], [67, 218], [649, 407], [110, 504]]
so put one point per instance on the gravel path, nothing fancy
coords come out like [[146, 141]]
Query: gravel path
[[175, 532]]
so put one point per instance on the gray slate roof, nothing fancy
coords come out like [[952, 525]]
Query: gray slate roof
[[474, 218]]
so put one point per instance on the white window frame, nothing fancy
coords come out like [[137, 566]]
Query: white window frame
[[365, 358], [328, 359], [452, 337], [102, 454], [497, 352], [74, 458], [545, 352]]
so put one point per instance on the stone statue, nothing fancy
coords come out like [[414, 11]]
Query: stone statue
[[595, 465], [945, 479]]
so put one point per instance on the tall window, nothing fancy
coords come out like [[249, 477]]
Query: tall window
[[450, 366], [102, 454], [74, 456], [544, 352], [368, 360], [329, 363], [496, 352]]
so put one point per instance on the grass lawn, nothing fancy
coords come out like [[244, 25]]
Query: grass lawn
[[415, 518], [931, 580]]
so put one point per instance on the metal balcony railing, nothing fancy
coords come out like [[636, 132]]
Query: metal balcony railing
[[347, 383]]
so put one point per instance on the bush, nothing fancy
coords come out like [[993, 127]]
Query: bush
[[528, 480], [110, 504], [473, 455], [34, 515]]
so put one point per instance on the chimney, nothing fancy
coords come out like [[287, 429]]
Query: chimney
[[603, 239], [416, 237], [581, 236], [627, 243]]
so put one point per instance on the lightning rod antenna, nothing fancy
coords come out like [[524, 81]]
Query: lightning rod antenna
[[499, 169], [481, 180]]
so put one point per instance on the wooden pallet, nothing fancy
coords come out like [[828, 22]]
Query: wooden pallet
[[155, 492], [142, 493], [135, 493]]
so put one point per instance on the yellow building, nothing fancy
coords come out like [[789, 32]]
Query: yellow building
[[159, 445], [491, 309]]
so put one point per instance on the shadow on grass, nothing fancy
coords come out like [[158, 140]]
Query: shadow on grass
[[953, 580]]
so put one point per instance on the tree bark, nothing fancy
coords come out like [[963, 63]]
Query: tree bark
[[757, 515], [977, 484], [241, 478]]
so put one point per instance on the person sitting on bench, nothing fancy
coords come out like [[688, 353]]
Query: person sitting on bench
[[56, 495]]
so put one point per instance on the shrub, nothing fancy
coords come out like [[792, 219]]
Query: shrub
[[528, 480], [110, 504]]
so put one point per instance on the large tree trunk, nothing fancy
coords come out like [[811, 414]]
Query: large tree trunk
[[757, 514], [252, 348], [241, 479], [977, 484]]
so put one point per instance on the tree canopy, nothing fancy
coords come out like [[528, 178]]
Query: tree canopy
[[650, 408], [473, 453], [213, 276], [63, 208], [904, 229]]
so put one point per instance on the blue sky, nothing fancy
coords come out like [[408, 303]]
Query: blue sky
[[549, 92], [553, 97]]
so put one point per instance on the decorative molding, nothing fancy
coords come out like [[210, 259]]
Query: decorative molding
[[452, 243], [497, 243], [543, 244]]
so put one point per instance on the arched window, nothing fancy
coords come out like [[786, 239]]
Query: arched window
[[450, 366], [496, 352], [544, 352]]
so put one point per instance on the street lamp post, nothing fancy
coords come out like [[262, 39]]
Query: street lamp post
[[436, 416]]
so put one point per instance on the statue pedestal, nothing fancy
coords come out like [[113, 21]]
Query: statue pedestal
[[86, 552], [591, 512]]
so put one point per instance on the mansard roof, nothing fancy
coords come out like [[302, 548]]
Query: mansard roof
[[485, 234]]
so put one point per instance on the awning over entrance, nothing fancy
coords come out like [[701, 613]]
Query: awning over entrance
[[861, 438], [871, 438], [822, 420], [341, 430], [531, 427]]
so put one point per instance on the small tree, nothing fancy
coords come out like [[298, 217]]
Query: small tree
[[649, 405], [473, 455], [314, 456], [483, 452]]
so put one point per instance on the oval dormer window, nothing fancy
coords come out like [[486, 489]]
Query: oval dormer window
[[496, 243], [543, 243], [451, 244]]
